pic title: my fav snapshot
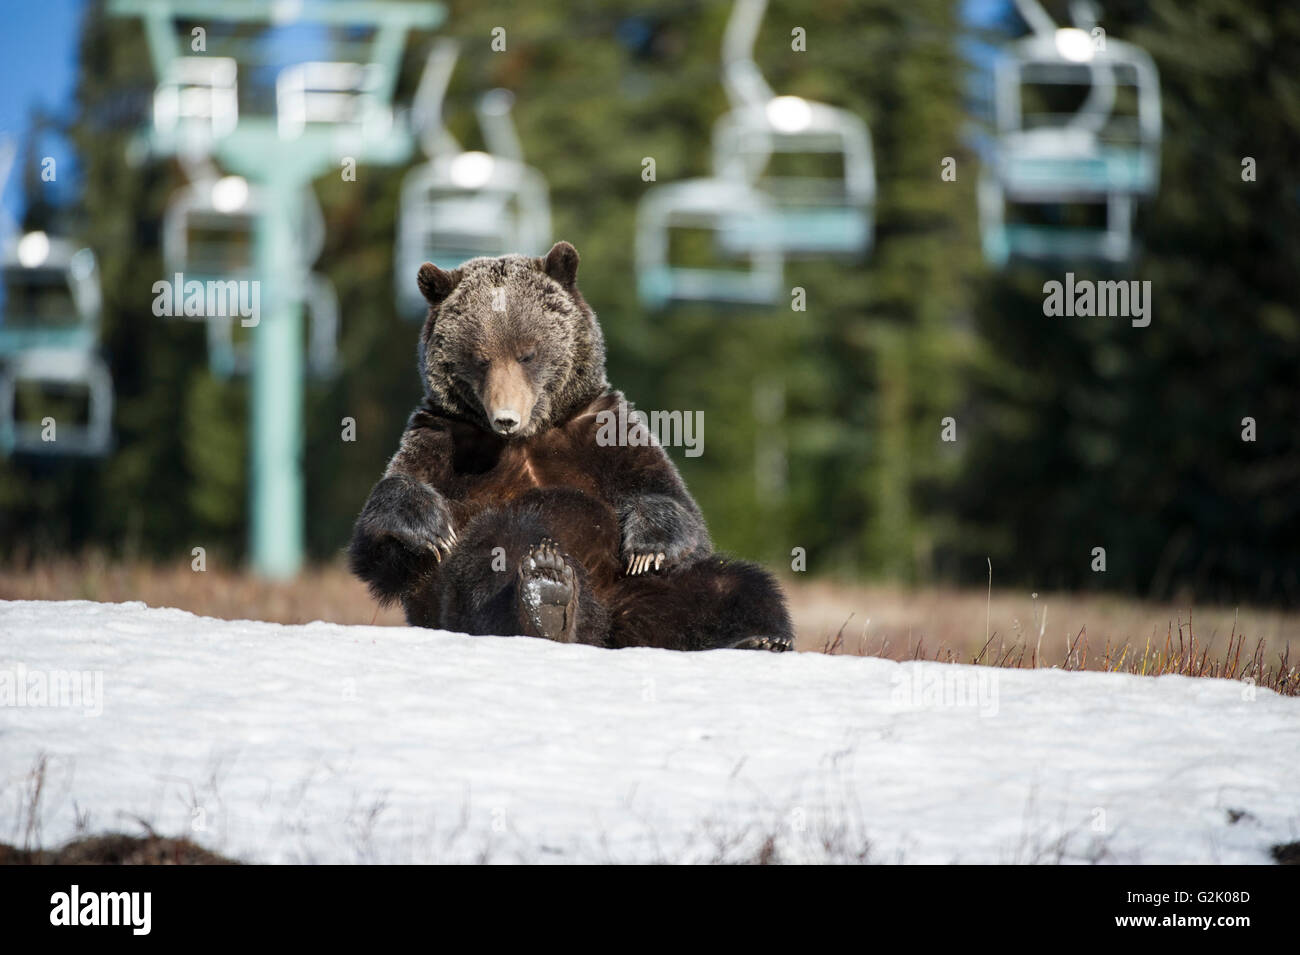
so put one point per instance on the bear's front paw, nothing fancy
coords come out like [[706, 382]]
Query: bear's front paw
[[645, 551], [411, 514], [403, 530], [659, 531]]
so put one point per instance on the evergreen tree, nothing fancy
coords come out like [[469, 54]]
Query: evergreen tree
[[822, 427], [1092, 433]]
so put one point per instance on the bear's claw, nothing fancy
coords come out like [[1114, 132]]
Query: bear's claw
[[548, 593], [441, 546], [775, 644], [640, 563]]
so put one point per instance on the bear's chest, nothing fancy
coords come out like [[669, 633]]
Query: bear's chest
[[502, 473]]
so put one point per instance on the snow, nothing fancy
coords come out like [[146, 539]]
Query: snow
[[327, 743]]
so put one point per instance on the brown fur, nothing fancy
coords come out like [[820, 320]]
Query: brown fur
[[452, 529]]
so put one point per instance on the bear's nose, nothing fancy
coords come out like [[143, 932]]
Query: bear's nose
[[506, 420]]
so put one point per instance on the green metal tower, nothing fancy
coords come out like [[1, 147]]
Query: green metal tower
[[282, 154]]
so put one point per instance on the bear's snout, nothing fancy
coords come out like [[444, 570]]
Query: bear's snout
[[508, 398], [505, 420]]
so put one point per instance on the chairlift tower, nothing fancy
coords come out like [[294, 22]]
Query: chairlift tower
[[324, 112]]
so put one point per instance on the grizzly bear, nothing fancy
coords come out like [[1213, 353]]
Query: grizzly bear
[[505, 512]]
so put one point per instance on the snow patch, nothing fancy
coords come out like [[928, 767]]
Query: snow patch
[[326, 743]]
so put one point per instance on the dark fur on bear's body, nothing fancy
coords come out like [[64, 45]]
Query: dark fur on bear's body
[[492, 521]]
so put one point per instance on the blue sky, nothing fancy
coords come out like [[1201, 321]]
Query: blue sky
[[38, 66]]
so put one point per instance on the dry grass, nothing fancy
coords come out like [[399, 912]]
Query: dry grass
[[1069, 631], [112, 848], [327, 592], [1072, 631]]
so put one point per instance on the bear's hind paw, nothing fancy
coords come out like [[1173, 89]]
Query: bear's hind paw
[[774, 644], [548, 594]]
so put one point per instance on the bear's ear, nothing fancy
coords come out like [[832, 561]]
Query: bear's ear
[[561, 263], [435, 284]]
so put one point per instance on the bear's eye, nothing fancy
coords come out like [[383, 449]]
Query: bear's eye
[[481, 363], [526, 357]]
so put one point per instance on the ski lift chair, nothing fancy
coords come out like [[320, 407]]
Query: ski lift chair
[[346, 97], [209, 230], [1089, 157], [1002, 240], [736, 214], [197, 98], [831, 213], [66, 369], [208, 236], [806, 215], [461, 205], [48, 339]]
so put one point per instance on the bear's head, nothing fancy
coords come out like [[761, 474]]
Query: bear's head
[[510, 342]]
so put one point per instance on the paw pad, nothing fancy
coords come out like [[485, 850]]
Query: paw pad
[[548, 591]]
